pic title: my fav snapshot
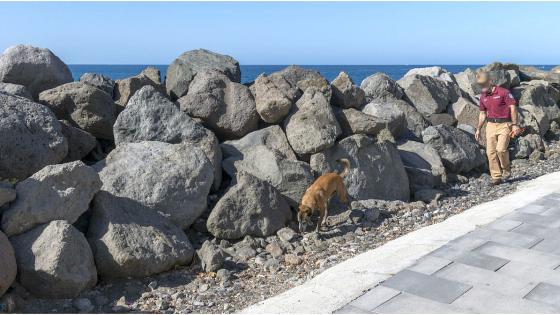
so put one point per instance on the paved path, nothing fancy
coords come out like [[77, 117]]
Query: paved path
[[499, 257], [507, 266]]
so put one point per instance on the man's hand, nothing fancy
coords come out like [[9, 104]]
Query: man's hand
[[515, 129], [477, 134]]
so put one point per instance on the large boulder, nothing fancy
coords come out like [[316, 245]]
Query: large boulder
[[538, 95], [100, 81], [129, 239], [182, 70], [434, 72], [442, 119], [428, 94], [381, 86], [535, 118], [80, 142], [38, 69], [376, 170], [57, 192], [528, 73], [54, 260], [345, 94], [289, 176], [211, 256], [466, 113], [458, 150], [311, 126], [8, 267], [524, 146], [150, 116], [274, 97], [7, 193], [304, 79], [415, 121], [226, 107], [125, 88], [467, 82], [84, 105], [31, 137], [272, 137], [422, 164], [250, 207], [173, 179], [395, 118], [16, 90], [353, 121]]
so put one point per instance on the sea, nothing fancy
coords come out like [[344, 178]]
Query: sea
[[250, 72]]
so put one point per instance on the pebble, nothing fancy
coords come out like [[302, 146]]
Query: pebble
[[291, 259]]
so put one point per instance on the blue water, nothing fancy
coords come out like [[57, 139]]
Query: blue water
[[250, 72]]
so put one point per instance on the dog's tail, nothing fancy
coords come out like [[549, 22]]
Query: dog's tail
[[346, 165]]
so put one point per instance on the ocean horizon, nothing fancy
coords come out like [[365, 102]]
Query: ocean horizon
[[250, 72]]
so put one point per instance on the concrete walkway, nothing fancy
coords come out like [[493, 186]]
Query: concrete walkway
[[498, 257]]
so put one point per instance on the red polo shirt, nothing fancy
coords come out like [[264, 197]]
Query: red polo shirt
[[497, 103]]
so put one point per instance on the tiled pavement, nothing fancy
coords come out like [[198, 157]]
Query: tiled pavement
[[509, 266]]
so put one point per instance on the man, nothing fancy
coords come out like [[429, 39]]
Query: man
[[497, 108]]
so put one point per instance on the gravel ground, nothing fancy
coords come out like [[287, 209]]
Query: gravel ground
[[261, 268]]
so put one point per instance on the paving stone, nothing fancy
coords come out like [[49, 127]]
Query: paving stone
[[549, 245], [470, 258], [374, 297], [479, 277], [512, 239], [548, 203], [504, 225], [520, 254], [532, 208], [535, 230], [480, 300], [349, 309], [407, 303], [430, 287], [552, 212], [466, 243], [429, 264], [545, 293], [553, 196], [530, 273], [536, 219]]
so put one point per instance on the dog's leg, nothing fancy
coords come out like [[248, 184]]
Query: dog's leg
[[322, 216], [326, 206]]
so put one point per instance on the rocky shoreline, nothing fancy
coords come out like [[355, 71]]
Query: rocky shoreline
[[177, 194]]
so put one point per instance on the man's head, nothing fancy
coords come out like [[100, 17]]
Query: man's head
[[483, 79]]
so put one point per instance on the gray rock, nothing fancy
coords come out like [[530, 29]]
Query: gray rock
[[428, 195], [528, 73], [311, 126], [457, 149], [286, 234], [8, 267], [182, 70], [54, 260], [345, 94], [84, 105], [536, 156], [428, 94], [467, 82], [80, 142], [226, 107], [353, 121], [415, 121], [100, 81], [467, 128], [524, 146], [537, 95], [150, 116], [211, 256], [376, 170], [422, 164], [535, 118], [274, 97], [16, 90], [381, 86], [555, 69], [38, 69], [30, 133], [129, 239], [290, 177], [272, 137], [126, 88], [466, 113], [173, 179], [250, 207], [7, 193], [304, 79], [153, 74], [57, 192], [442, 119], [434, 72], [395, 118], [83, 305]]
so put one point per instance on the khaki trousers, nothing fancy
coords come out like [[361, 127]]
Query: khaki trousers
[[497, 141]]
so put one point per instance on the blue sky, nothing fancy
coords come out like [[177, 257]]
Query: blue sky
[[289, 32]]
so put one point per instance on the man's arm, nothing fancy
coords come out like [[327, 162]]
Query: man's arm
[[514, 127], [481, 121]]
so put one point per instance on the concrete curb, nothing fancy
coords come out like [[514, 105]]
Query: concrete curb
[[346, 281]]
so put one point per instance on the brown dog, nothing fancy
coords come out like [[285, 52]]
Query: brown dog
[[317, 196]]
